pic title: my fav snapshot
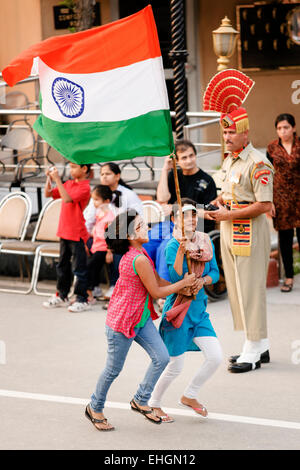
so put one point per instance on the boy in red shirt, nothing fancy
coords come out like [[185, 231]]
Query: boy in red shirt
[[75, 195]]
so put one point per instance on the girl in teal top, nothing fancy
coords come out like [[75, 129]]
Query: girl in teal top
[[196, 331]]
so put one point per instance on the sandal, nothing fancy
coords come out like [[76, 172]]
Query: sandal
[[95, 421], [135, 407], [164, 417], [198, 411], [286, 287]]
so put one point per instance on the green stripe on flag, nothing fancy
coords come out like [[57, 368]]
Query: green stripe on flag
[[93, 142]]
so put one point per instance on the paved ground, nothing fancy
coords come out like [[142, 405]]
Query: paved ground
[[50, 361]]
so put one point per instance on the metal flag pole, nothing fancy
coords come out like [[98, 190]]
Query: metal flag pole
[[178, 195]]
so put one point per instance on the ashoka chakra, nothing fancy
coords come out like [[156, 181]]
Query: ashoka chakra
[[68, 96]]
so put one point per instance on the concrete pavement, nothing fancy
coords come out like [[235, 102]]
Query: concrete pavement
[[50, 361]]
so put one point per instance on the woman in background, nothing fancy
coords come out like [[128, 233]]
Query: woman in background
[[284, 154]]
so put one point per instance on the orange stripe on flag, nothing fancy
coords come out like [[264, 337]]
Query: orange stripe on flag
[[118, 44]]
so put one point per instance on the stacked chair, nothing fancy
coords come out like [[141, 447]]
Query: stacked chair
[[44, 234]]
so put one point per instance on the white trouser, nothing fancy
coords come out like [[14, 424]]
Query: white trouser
[[211, 349], [252, 350]]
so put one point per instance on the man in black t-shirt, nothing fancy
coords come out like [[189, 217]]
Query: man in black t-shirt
[[194, 183]]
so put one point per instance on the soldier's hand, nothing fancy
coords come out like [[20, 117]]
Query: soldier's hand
[[273, 211], [221, 214]]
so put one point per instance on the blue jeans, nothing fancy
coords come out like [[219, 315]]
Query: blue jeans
[[118, 347]]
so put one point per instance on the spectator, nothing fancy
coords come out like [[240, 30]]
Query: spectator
[[101, 197], [75, 194], [194, 330], [123, 198], [194, 183], [130, 317], [284, 154]]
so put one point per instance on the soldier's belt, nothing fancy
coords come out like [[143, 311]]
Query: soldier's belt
[[231, 205], [241, 230]]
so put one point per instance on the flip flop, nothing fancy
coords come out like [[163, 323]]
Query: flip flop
[[164, 418], [95, 421], [135, 407], [196, 409]]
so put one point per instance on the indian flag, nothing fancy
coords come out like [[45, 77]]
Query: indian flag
[[102, 91]]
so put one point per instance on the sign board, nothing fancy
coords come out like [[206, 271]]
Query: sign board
[[65, 17]]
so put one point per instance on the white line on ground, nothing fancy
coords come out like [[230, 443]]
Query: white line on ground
[[171, 411]]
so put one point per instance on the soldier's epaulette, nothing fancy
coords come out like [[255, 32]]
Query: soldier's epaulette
[[261, 172]]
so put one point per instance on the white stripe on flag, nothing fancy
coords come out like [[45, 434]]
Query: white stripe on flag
[[115, 95]]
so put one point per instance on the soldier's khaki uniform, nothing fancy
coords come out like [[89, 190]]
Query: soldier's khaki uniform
[[245, 243]]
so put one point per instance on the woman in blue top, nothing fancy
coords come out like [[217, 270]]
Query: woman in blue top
[[196, 331]]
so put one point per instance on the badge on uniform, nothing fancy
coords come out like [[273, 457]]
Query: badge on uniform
[[235, 177], [260, 173], [264, 174], [241, 233], [264, 180]]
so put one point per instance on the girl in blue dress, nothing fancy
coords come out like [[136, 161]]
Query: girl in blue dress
[[196, 331]]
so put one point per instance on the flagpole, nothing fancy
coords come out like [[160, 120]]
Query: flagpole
[[178, 195]]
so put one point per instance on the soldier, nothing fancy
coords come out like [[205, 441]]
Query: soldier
[[246, 196]]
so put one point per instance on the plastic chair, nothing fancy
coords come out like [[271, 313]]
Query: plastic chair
[[20, 139], [8, 170], [16, 144], [152, 212], [45, 231], [15, 212], [16, 100], [50, 249]]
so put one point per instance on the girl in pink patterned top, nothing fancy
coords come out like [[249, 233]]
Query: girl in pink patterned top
[[99, 254], [130, 317]]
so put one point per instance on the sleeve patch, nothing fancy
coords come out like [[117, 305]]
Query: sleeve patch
[[261, 172], [264, 180]]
